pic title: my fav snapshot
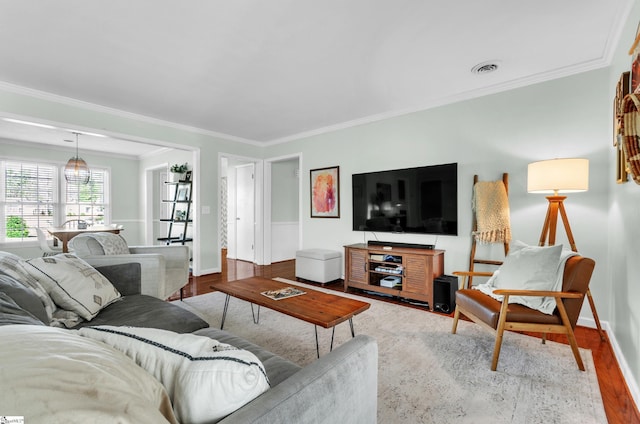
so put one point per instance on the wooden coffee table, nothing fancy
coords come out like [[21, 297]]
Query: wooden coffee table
[[315, 307]]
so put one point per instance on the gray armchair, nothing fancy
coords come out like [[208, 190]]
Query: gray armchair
[[165, 269]]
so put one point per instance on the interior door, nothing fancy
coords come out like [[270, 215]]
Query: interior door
[[245, 212]]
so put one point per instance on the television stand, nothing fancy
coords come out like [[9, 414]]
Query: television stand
[[405, 272]]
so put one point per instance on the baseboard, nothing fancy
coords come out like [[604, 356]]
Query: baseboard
[[632, 385], [208, 271]]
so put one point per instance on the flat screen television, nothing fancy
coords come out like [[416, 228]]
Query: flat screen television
[[421, 200]]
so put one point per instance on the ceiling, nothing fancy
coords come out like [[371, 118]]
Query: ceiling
[[65, 138], [271, 71]]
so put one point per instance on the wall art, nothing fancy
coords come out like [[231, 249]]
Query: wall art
[[325, 192], [622, 89]]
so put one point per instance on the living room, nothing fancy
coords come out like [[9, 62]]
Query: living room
[[486, 135]]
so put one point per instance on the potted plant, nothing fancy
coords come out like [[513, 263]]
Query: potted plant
[[178, 170]]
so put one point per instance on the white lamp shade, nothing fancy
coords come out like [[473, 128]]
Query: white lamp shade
[[558, 176]]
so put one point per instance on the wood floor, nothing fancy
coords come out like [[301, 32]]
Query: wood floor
[[618, 403]]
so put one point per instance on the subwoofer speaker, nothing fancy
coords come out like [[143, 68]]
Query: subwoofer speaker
[[444, 293]]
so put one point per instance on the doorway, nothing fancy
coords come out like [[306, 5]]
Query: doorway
[[283, 209], [157, 193], [240, 206], [276, 207]]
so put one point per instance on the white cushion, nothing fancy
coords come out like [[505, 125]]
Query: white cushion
[[529, 268], [206, 380], [73, 284]]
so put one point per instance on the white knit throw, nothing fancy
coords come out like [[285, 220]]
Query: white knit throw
[[491, 206]]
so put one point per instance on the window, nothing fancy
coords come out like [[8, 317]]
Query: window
[[88, 202], [36, 195], [29, 193]]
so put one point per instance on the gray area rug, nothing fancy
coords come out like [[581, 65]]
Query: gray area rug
[[428, 375]]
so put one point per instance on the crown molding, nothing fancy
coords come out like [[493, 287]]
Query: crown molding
[[68, 101], [72, 149], [443, 101]]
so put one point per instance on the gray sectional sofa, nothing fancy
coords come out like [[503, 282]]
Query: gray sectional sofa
[[340, 387]]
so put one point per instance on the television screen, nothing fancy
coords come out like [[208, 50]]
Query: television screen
[[421, 200]]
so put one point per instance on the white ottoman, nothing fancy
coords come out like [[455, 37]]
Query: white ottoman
[[319, 265]]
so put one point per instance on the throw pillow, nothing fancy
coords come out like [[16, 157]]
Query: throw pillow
[[527, 268], [73, 284], [206, 380], [14, 266]]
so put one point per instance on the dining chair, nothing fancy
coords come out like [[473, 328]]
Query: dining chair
[[75, 223], [46, 244]]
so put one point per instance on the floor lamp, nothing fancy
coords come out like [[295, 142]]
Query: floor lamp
[[560, 176]]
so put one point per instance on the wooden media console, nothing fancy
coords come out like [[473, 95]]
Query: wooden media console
[[412, 270]]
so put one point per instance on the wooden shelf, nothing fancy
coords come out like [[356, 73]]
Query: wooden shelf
[[174, 239]]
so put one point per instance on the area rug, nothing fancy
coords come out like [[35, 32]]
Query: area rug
[[428, 375]]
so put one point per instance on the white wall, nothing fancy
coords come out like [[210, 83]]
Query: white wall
[[285, 179], [623, 236], [285, 201], [486, 136]]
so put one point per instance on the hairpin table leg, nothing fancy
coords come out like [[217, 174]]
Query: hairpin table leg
[[224, 311], [256, 317]]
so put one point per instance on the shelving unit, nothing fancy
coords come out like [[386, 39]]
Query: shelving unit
[[180, 216], [366, 267]]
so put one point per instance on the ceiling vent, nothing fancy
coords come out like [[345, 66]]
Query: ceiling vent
[[485, 68]]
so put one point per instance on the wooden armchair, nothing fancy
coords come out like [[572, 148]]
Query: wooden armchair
[[500, 316]]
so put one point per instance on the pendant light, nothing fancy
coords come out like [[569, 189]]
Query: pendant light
[[77, 171]]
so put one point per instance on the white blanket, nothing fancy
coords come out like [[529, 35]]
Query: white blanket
[[205, 379], [55, 376]]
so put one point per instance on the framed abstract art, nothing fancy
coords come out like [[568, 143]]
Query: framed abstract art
[[325, 192]]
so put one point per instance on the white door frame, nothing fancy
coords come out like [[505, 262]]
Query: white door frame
[[267, 203], [258, 207], [150, 201]]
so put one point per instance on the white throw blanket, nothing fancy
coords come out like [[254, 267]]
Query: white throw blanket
[[205, 379], [86, 380]]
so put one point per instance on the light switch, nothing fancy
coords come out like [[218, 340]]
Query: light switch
[[206, 210]]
